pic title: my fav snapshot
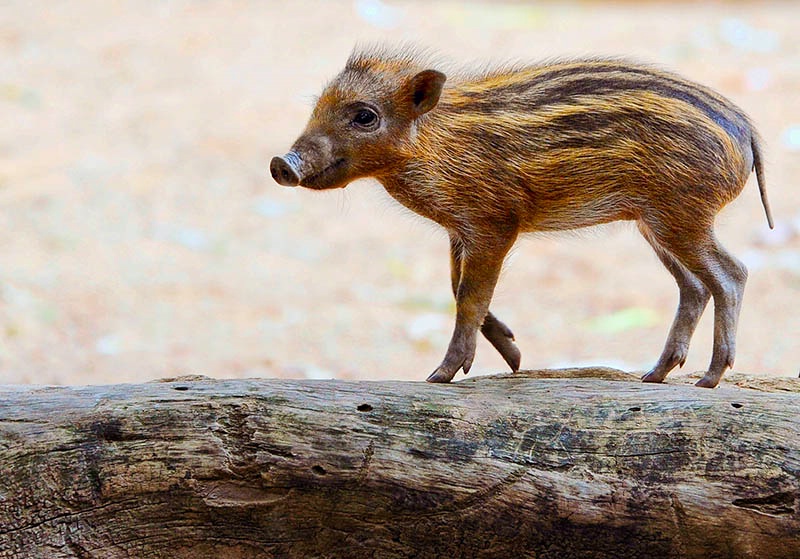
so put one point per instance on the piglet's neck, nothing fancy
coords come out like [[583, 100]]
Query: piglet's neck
[[412, 178]]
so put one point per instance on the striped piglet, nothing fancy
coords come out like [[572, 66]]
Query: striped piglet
[[545, 147]]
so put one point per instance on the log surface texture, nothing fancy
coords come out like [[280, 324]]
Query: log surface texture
[[589, 465]]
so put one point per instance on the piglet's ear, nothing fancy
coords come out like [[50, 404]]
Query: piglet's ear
[[425, 89]]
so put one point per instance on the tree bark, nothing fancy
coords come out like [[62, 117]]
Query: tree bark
[[586, 463]]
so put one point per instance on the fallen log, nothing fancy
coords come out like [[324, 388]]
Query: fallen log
[[587, 463]]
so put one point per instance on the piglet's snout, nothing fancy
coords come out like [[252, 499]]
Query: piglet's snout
[[286, 170]]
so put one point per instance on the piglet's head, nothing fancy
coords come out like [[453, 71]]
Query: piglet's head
[[361, 124]]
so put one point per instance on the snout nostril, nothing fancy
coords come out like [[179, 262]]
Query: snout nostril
[[282, 172]]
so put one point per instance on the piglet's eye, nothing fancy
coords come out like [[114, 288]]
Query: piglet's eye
[[366, 118]]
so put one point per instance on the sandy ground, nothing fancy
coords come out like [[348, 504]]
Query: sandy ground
[[143, 237]]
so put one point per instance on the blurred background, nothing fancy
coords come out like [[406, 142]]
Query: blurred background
[[143, 237]]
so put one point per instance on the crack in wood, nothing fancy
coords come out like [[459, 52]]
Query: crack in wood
[[68, 515], [774, 505]]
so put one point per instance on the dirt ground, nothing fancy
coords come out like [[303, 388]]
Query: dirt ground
[[143, 236]]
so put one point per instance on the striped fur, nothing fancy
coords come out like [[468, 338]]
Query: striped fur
[[548, 147], [571, 133]]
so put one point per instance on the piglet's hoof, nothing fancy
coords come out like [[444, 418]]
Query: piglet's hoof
[[708, 381], [446, 371], [654, 376], [441, 375], [502, 338], [459, 356]]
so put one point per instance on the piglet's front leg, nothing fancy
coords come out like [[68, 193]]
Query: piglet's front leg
[[480, 268]]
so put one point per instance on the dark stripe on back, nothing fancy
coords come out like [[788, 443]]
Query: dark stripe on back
[[595, 130], [599, 129], [593, 69], [558, 88]]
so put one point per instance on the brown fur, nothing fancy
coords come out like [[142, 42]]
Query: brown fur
[[547, 147]]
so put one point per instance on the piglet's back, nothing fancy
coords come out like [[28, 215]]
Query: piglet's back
[[606, 137]]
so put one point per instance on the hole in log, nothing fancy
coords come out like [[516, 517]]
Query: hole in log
[[736, 405], [319, 470], [635, 408], [364, 407], [180, 388], [109, 430], [777, 504]]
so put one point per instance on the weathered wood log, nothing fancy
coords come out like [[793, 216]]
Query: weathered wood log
[[586, 464]]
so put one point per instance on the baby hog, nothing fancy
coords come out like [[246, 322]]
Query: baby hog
[[546, 147]]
